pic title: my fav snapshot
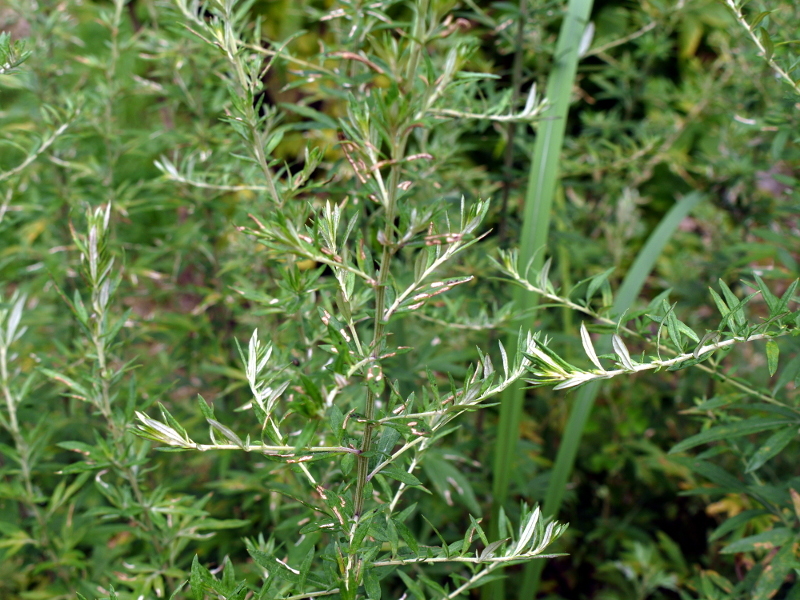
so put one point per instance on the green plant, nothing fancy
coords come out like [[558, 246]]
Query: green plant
[[686, 348], [356, 312], [372, 433], [177, 176]]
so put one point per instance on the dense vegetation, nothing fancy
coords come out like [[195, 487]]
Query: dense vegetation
[[366, 300]]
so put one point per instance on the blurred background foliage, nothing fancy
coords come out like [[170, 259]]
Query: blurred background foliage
[[670, 97]]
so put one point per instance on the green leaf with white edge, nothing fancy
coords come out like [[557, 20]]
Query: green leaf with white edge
[[767, 540], [772, 447], [772, 356], [588, 347], [622, 352], [172, 422], [488, 552], [728, 431], [227, 432]]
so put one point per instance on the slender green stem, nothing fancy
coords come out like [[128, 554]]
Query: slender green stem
[[117, 433], [542, 182], [572, 306], [582, 406], [389, 194], [767, 54], [379, 324], [40, 149], [24, 450]]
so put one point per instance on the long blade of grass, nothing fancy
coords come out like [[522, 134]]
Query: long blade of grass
[[536, 224], [582, 406]]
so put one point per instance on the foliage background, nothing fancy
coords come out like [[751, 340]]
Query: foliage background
[[684, 104]]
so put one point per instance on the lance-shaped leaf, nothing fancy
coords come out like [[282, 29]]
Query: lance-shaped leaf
[[227, 432], [589, 348], [622, 352], [772, 357]]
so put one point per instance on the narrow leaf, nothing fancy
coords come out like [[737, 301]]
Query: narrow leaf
[[772, 357], [766, 41], [728, 431], [774, 575], [589, 348], [622, 351], [761, 541], [772, 447]]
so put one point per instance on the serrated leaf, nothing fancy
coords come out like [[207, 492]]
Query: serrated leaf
[[721, 306], [730, 299]]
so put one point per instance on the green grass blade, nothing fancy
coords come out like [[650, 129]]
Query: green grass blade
[[582, 407], [542, 183]]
